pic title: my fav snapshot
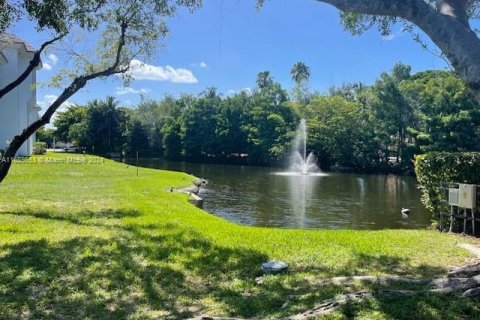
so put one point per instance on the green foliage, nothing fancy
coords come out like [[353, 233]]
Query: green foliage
[[172, 140], [393, 115], [46, 135], [448, 114], [269, 124], [334, 130], [300, 72], [100, 126], [369, 128], [136, 137], [39, 148], [434, 168], [264, 80], [65, 120], [199, 126]]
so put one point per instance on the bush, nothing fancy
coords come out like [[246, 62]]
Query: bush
[[437, 168], [39, 148]]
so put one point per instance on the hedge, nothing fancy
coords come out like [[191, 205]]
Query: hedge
[[437, 168], [39, 148]]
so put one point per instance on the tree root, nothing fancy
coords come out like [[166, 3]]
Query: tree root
[[464, 281]]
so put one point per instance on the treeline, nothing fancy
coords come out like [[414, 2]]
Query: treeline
[[369, 128]]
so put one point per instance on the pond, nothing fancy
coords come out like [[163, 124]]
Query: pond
[[258, 196]]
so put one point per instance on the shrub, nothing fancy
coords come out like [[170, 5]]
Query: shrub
[[437, 168], [40, 148]]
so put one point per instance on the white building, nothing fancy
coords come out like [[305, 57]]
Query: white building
[[19, 107]]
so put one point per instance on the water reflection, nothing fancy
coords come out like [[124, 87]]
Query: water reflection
[[301, 189], [257, 196]]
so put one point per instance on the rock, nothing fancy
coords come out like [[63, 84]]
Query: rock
[[274, 267], [472, 293]]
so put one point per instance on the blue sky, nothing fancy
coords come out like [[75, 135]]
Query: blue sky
[[227, 42]]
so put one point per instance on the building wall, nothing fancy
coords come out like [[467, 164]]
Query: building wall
[[15, 112]]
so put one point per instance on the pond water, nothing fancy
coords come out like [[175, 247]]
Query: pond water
[[260, 197]]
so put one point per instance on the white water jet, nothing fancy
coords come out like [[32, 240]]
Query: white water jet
[[302, 163]]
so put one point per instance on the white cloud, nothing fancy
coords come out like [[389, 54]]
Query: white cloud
[[247, 90], [203, 65], [142, 71], [49, 99], [53, 58], [49, 62], [127, 90], [47, 66]]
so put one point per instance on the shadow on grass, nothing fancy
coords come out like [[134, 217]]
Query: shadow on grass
[[421, 306], [78, 217], [165, 271]]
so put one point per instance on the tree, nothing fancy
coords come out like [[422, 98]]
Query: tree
[[136, 137], [200, 124], [334, 126], [300, 72], [300, 75], [393, 115], [269, 124], [264, 80], [125, 29], [231, 120], [66, 119], [46, 135], [154, 116], [172, 140], [105, 125], [445, 22], [449, 116]]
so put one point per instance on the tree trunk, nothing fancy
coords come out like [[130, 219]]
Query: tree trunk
[[447, 26], [19, 140], [77, 84]]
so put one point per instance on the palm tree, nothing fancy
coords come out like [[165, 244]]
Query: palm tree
[[264, 79], [300, 72]]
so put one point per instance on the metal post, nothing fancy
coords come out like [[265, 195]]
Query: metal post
[[451, 219], [441, 222], [137, 162], [473, 222], [464, 220]]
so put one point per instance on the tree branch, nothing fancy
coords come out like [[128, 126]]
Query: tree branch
[[454, 8], [34, 63], [77, 84], [395, 8], [447, 26]]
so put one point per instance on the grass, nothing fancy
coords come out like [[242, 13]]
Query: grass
[[96, 241]]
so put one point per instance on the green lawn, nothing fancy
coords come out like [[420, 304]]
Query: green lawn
[[96, 241]]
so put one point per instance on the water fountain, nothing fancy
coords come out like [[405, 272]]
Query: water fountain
[[302, 163]]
